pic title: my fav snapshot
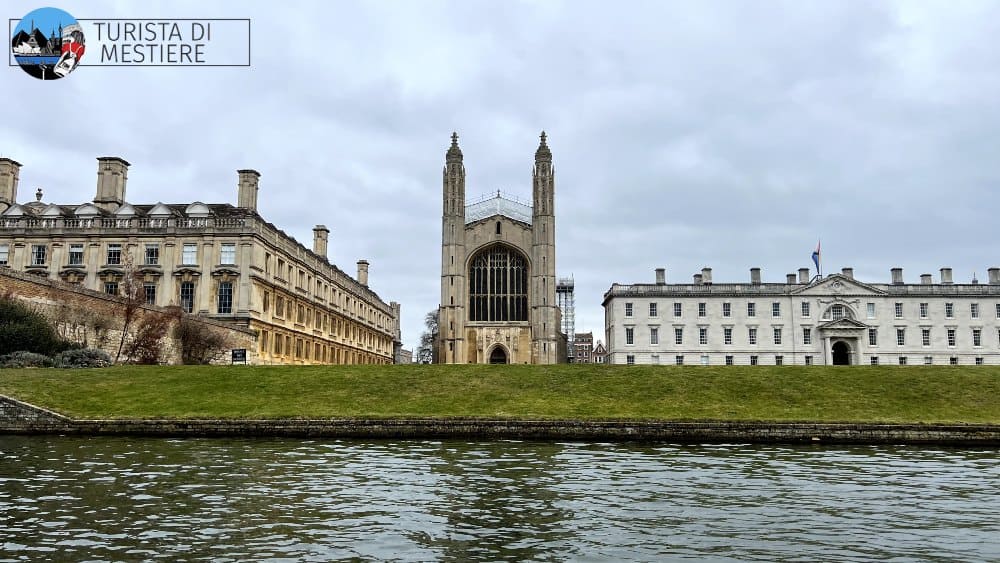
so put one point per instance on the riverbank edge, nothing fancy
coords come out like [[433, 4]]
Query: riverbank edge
[[18, 417]]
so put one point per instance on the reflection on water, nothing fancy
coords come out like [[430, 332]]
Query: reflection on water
[[107, 498]]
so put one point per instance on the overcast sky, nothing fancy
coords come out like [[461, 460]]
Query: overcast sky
[[727, 134]]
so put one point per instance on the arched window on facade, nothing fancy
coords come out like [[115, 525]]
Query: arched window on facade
[[498, 285], [836, 312]]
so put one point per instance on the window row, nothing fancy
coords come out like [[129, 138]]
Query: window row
[[779, 359], [807, 333], [834, 312], [113, 256]]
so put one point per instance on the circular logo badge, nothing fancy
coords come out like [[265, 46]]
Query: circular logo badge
[[48, 43]]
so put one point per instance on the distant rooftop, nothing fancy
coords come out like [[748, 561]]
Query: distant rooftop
[[497, 204]]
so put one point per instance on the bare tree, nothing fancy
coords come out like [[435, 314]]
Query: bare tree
[[133, 297], [427, 351]]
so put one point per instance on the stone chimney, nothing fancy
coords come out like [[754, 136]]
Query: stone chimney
[[10, 171], [755, 276], [661, 276], [803, 275], [320, 237], [897, 276], [925, 279], [946, 276], [706, 276], [697, 279], [847, 272], [246, 196], [994, 276], [789, 278], [112, 176], [363, 272]]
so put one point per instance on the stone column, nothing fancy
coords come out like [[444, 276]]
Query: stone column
[[244, 295]]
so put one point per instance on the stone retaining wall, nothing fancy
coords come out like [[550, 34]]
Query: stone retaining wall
[[17, 417]]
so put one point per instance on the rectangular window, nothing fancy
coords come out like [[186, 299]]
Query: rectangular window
[[187, 297], [729, 360], [652, 309], [977, 337], [655, 359], [189, 255], [899, 310], [871, 310], [900, 337], [629, 335], [76, 255], [807, 335], [775, 309], [111, 288], [727, 335], [149, 290], [874, 361], [677, 309], [753, 360], [628, 309], [953, 361], [225, 297], [974, 310], [951, 337], [279, 306], [114, 253], [777, 336], [266, 301], [805, 309], [751, 309], [779, 360], [702, 309], [38, 254], [949, 310], [979, 360], [928, 360], [152, 254], [654, 336], [809, 360], [923, 310], [902, 360], [679, 360], [727, 310], [704, 359], [678, 336], [925, 337], [998, 304], [873, 337], [5, 260], [702, 335], [752, 336], [630, 360]]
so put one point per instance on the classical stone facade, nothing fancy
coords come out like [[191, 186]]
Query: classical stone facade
[[498, 283], [834, 319], [222, 262]]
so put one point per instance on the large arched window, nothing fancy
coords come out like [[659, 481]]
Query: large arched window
[[498, 285]]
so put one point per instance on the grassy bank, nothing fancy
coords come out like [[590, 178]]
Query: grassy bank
[[774, 393]]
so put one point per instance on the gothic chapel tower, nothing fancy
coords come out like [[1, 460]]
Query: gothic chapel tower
[[498, 302]]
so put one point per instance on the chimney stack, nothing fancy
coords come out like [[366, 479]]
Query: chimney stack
[[249, 183], [847, 272], [363, 272], [112, 176], [661, 276], [897, 276], [706, 276], [994, 276], [925, 279], [803, 275], [320, 237], [10, 171], [946, 276], [789, 278], [697, 279], [755, 276]]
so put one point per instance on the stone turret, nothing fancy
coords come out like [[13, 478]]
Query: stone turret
[[249, 184], [10, 171], [112, 177]]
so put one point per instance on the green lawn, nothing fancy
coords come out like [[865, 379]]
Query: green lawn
[[897, 394]]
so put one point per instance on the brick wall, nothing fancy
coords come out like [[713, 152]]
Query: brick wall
[[94, 319]]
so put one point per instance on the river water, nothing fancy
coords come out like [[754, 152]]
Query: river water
[[118, 498]]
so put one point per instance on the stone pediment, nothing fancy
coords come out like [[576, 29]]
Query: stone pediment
[[842, 324], [838, 284]]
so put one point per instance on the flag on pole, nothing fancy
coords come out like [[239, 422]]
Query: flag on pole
[[817, 260]]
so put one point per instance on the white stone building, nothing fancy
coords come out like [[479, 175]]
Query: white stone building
[[831, 320]]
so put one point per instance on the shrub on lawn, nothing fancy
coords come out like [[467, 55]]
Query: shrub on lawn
[[83, 358], [24, 359], [22, 328]]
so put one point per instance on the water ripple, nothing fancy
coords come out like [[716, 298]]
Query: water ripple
[[104, 498]]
